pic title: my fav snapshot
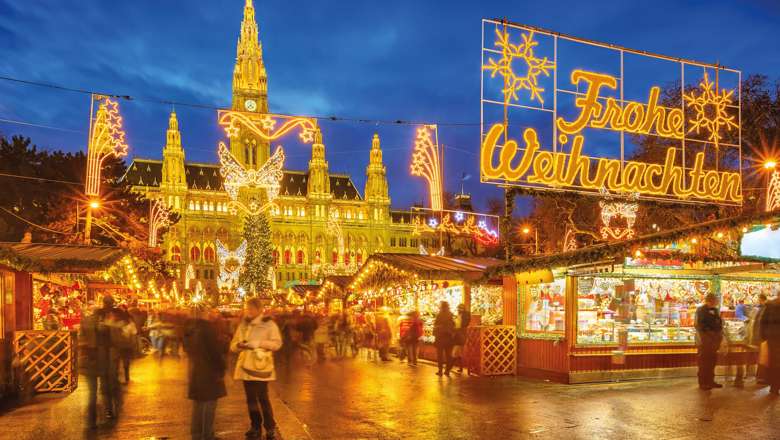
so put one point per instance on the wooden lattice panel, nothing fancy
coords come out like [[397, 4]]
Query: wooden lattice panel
[[491, 350], [47, 358]]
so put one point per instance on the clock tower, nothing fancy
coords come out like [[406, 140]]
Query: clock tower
[[250, 91]]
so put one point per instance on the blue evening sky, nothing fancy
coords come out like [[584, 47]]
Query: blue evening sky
[[393, 60]]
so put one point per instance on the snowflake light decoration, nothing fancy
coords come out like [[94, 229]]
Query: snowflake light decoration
[[710, 106], [523, 51]]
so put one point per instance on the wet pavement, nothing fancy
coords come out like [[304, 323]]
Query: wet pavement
[[362, 399]]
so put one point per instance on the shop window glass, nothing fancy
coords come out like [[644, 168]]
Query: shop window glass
[[544, 307], [646, 310]]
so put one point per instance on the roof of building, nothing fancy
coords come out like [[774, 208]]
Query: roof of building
[[206, 177], [619, 250], [58, 258]]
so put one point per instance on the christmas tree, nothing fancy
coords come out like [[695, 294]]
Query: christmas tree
[[255, 278]]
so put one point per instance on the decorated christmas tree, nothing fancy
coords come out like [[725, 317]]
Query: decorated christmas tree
[[254, 278]]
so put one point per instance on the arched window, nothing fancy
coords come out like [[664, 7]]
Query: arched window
[[346, 257], [209, 255], [176, 253], [195, 253], [299, 257], [287, 257], [317, 257], [276, 257], [335, 257], [359, 258]]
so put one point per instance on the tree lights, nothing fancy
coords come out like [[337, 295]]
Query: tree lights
[[426, 163]]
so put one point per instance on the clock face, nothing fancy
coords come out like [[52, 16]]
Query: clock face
[[250, 105]]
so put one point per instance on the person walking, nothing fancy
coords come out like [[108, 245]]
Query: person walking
[[255, 340], [461, 328], [100, 338], [444, 332], [383, 336], [207, 367], [709, 328], [770, 332], [410, 330], [129, 343], [754, 340]]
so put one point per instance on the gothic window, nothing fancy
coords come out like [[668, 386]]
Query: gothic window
[[299, 257], [287, 257], [402, 242], [195, 253], [192, 205], [346, 257], [335, 258], [359, 258], [176, 254], [276, 257], [392, 241], [208, 254], [413, 243], [317, 257], [360, 214]]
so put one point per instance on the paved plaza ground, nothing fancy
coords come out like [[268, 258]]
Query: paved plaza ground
[[361, 399]]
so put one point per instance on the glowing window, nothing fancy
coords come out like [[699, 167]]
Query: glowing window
[[299, 257], [176, 253], [194, 253], [287, 257], [209, 255]]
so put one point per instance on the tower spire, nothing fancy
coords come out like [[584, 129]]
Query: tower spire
[[376, 175], [250, 80]]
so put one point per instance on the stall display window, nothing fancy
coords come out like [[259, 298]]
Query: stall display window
[[738, 300], [644, 310], [488, 302], [544, 307]]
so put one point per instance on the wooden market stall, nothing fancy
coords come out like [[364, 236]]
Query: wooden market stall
[[47, 358], [626, 310], [402, 282], [334, 293]]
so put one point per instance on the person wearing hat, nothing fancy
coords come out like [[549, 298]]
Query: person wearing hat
[[709, 328]]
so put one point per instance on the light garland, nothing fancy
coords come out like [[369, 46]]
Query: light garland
[[106, 139], [426, 163], [230, 264], [569, 241], [235, 176], [480, 230], [159, 217], [263, 125]]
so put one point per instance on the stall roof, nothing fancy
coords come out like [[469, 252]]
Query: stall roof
[[430, 267], [335, 286], [62, 258], [618, 250]]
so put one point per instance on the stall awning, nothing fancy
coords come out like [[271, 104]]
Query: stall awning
[[335, 286], [709, 247], [383, 270], [58, 258]]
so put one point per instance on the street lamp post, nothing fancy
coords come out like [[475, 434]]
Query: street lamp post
[[526, 231], [93, 204]]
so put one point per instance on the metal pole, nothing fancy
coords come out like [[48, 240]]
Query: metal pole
[[88, 224]]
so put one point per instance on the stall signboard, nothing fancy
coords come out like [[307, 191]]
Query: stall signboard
[[565, 114]]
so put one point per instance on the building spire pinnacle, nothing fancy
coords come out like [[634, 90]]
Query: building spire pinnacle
[[249, 75]]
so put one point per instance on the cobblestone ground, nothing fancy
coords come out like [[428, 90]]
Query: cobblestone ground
[[361, 399]]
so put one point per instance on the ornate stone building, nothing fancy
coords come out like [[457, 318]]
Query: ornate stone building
[[322, 222]]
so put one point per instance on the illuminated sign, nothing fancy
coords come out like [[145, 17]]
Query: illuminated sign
[[565, 114]]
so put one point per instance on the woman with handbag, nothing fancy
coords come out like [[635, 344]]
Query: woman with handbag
[[255, 340]]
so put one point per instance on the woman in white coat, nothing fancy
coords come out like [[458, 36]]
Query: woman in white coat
[[255, 340]]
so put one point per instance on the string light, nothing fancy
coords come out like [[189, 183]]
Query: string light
[[263, 125], [230, 264], [504, 66], [426, 163], [710, 107], [106, 139], [615, 210], [773, 192]]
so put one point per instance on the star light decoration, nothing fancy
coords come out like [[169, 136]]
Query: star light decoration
[[525, 52], [159, 217], [480, 230], [611, 209], [710, 106], [107, 138], [230, 264], [426, 163], [235, 177]]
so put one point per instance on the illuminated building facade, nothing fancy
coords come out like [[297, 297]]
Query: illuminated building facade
[[309, 203]]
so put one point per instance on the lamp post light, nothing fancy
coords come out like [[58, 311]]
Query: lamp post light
[[773, 187], [93, 204], [527, 230]]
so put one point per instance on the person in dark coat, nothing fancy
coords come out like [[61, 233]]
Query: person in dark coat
[[444, 334], [100, 339], [207, 365], [461, 329], [709, 327], [770, 332]]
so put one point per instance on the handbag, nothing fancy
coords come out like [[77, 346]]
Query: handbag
[[258, 363]]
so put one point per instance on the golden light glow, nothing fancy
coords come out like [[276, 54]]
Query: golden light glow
[[632, 117], [263, 125], [159, 217], [468, 226], [770, 164], [611, 210], [107, 138], [569, 241], [236, 176], [513, 82], [559, 169], [526, 230], [710, 108], [426, 163], [94, 204], [773, 192], [230, 264]]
